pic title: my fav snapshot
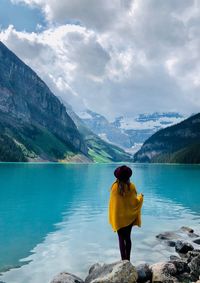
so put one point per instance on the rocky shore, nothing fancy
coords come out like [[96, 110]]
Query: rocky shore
[[182, 267]]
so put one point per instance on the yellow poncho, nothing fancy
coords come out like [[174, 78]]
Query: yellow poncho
[[123, 210]]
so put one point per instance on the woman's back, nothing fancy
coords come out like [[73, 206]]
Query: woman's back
[[124, 208]]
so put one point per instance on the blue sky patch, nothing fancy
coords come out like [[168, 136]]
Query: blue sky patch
[[20, 16]]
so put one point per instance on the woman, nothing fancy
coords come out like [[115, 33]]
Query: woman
[[124, 209]]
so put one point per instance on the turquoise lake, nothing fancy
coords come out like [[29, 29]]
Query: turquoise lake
[[54, 217]]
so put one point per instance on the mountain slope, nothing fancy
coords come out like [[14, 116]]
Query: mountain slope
[[176, 144], [105, 130], [34, 123], [99, 150], [128, 133]]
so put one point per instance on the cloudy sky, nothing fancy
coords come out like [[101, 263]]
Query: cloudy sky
[[119, 57]]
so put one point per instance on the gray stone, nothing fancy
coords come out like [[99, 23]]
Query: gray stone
[[183, 247], [187, 229], [171, 243], [164, 272], [192, 254], [118, 272], [167, 236], [194, 266], [144, 273], [65, 277], [174, 257], [181, 266], [197, 241], [93, 267], [184, 277]]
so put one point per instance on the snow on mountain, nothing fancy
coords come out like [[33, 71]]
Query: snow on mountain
[[129, 132], [148, 121], [104, 129]]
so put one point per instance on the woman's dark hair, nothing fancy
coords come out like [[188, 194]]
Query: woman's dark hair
[[121, 186]]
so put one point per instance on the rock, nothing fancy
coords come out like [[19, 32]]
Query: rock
[[118, 272], [181, 266], [163, 272], [174, 257], [171, 243], [194, 266], [192, 254], [65, 277], [144, 273], [167, 236], [93, 267], [193, 235], [184, 277], [187, 229], [197, 241], [183, 247]]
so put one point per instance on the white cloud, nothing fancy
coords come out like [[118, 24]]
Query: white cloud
[[93, 14], [125, 56]]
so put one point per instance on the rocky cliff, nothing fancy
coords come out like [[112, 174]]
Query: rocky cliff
[[29, 111], [98, 149], [176, 144], [36, 126]]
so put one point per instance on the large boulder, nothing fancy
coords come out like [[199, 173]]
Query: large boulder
[[65, 277], [191, 254], [181, 266], [118, 272], [164, 272], [183, 247], [194, 266]]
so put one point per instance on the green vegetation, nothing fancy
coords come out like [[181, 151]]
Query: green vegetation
[[10, 151], [176, 144], [45, 144], [187, 155], [101, 151], [31, 142]]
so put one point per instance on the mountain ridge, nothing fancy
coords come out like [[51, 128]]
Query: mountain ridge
[[128, 132], [35, 125], [179, 143]]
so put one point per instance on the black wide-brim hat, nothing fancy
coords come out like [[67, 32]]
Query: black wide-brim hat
[[123, 173]]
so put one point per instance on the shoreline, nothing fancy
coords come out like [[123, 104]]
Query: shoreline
[[100, 163], [183, 267]]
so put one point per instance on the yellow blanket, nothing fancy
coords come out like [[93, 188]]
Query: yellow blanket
[[123, 210]]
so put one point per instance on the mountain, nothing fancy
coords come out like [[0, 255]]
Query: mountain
[[105, 130], [179, 143], [99, 150], [128, 132], [34, 123]]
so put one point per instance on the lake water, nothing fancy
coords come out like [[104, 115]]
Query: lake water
[[54, 217]]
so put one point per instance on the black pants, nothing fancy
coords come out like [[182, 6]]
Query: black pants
[[124, 235]]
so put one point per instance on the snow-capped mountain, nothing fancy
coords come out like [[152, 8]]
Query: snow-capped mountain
[[148, 121], [129, 132], [104, 129]]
